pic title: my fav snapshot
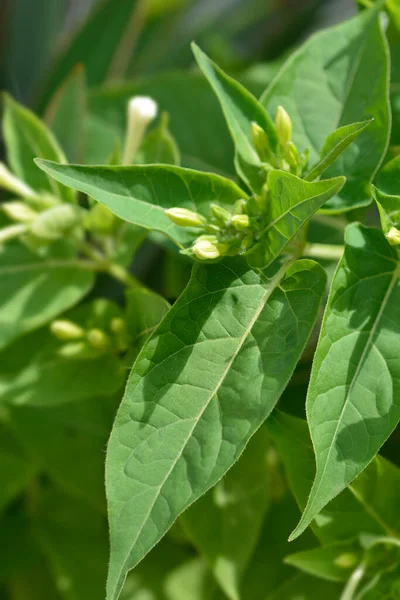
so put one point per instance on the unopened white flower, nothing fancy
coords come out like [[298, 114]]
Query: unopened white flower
[[283, 126], [207, 247], [11, 183], [10, 232], [393, 236], [184, 217], [240, 222], [141, 111], [19, 212], [66, 330]]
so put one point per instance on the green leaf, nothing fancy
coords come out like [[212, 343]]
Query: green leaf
[[334, 563], [389, 208], [33, 372], [240, 109], [66, 114], [344, 518], [35, 289], [109, 23], [74, 539], [27, 137], [388, 179], [67, 443], [16, 471], [225, 523], [140, 194], [144, 311], [338, 77], [187, 97], [159, 146], [291, 202], [353, 401], [188, 409], [335, 144]]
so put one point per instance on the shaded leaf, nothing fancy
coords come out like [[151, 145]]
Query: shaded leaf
[[159, 146], [140, 194], [188, 410], [334, 563], [16, 471], [353, 401], [327, 84], [389, 208]]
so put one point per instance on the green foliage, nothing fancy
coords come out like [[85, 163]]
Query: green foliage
[[205, 476]]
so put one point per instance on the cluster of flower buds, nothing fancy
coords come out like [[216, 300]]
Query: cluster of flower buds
[[393, 236], [286, 155], [82, 343], [224, 233]]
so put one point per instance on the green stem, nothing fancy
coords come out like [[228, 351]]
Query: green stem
[[327, 251], [353, 583], [100, 263]]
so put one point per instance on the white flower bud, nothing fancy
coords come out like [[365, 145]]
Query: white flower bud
[[241, 222], [10, 232], [185, 217], [141, 111], [11, 183], [207, 247], [393, 236], [19, 211], [283, 126], [347, 560], [66, 330], [54, 222], [97, 339]]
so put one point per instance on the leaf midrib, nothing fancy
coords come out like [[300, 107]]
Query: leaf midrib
[[272, 284]]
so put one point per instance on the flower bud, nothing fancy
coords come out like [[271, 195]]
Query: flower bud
[[141, 111], [66, 330], [347, 560], [240, 207], [97, 339], [241, 222], [292, 155], [54, 222], [117, 325], [208, 248], [11, 183], [223, 216], [283, 126], [393, 236], [185, 217], [73, 350], [10, 232], [260, 142], [19, 211]]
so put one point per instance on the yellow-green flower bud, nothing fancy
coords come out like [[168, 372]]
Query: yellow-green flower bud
[[100, 219], [292, 155], [241, 222], [73, 350], [66, 330], [283, 126], [393, 236], [223, 216], [97, 338], [208, 248], [141, 111], [117, 325], [185, 217], [260, 141], [11, 183], [10, 232], [347, 560], [19, 211], [54, 222], [240, 207]]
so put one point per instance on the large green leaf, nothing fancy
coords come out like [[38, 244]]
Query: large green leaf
[[96, 45], [327, 84], [291, 202], [344, 518], [241, 109], [140, 194], [33, 372], [233, 510], [26, 138], [35, 288], [353, 401], [68, 443], [74, 540], [201, 386]]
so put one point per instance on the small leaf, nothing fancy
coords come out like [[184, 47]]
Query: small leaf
[[240, 109], [334, 563], [339, 76], [141, 194], [27, 137], [66, 114], [159, 146], [292, 201], [35, 288], [389, 208], [334, 145], [353, 401], [180, 426], [225, 523]]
